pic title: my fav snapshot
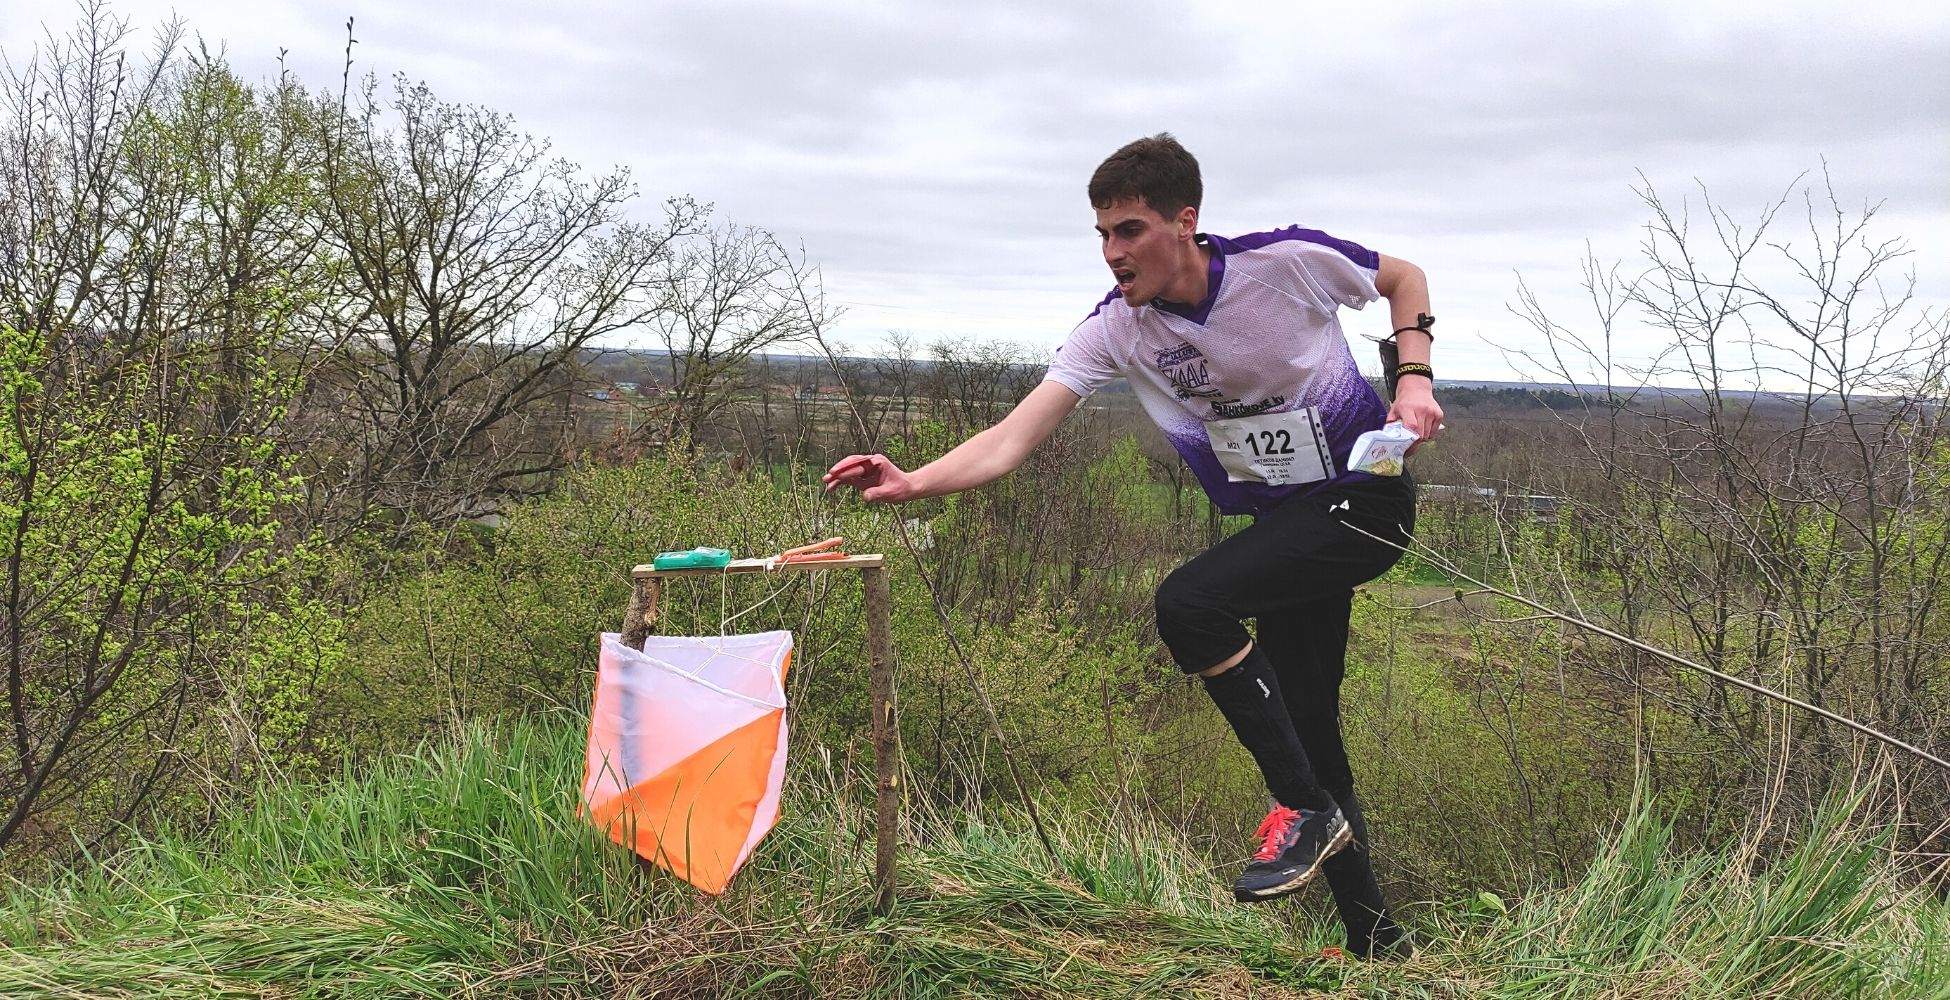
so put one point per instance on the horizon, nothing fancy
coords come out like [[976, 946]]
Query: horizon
[[1121, 384]]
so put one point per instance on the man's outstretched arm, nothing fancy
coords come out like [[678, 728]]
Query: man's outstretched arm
[[981, 459]]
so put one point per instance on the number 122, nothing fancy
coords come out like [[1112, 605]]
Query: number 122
[[1277, 442]]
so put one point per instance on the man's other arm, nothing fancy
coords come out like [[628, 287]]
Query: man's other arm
[[1407, 290]]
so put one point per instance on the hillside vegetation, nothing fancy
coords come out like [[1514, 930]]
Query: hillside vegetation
[[461, 871]]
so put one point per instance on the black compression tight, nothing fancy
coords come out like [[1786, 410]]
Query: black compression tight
[[1294, 571]]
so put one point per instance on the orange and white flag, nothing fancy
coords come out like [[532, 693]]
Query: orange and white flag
[[687, 749]]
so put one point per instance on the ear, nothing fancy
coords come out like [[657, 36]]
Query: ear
[[1187, 222]]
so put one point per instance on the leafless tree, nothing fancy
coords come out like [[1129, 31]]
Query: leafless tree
[[476, 273], [81, 248], [977, 381], [725, 296], [1783, 517]]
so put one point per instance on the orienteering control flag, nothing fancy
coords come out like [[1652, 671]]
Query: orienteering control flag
[[687, 749]]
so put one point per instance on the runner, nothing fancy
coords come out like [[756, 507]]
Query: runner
[[1235, 350]]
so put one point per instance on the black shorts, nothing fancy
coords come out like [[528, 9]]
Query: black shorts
[[1299, 552]]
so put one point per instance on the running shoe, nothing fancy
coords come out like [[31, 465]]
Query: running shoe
[[1293, 845]]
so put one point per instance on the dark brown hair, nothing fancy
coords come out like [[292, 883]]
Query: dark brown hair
[[1155, 168]]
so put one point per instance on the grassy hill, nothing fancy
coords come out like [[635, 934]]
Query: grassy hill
[[462, 871]]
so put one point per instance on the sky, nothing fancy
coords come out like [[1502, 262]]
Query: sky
[[932, 158]]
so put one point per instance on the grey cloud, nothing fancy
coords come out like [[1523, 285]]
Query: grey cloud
[[936, 154]]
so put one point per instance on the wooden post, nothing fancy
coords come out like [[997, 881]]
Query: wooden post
[[642, 612], [886, 761]]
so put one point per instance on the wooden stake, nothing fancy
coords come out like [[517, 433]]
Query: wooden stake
[[642, 612], [880, 686]]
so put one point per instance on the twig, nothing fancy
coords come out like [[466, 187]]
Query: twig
[[1546, 612], [1456, 597]]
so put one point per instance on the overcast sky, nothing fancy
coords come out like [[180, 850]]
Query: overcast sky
[[932, 157]]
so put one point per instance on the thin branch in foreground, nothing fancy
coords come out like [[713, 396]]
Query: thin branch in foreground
[[1442, 563]]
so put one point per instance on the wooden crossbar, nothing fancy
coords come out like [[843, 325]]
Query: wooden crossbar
[[641, 616], [650, 571]]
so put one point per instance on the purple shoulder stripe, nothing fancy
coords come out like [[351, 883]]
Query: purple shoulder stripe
[[1114, 294], [1352, 251]]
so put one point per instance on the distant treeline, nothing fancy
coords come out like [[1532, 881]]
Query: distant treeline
[[1539, 398]]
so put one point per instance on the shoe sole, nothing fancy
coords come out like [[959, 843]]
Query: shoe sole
[[1298, 881]]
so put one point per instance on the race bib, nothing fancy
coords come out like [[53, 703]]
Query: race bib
[[1278, 449]]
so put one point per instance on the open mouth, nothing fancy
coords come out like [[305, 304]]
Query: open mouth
[[1124, 275]]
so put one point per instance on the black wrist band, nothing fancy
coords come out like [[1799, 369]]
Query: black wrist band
[[1410, 368]]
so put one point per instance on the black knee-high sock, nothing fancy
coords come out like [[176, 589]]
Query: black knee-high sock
[[1248, 696], [1350, 876]]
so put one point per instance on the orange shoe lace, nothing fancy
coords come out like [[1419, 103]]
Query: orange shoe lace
[[1272, 830]]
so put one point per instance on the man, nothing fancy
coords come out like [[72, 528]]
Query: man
[[1236, 352]]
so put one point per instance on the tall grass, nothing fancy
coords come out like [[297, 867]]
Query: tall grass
[[462, 871]]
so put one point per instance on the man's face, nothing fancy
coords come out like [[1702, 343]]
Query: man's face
[[1142, 247]]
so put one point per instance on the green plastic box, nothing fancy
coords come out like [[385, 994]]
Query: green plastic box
[[698, 558]]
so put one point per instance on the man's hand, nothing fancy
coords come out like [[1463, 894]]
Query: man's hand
[[877, 479], [1416, 408]]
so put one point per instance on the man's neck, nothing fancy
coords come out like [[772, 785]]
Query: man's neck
[[1189, 287]]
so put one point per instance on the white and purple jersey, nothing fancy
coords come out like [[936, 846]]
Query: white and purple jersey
[[1265, 340]]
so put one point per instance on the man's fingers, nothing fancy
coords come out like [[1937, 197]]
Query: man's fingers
[[849, 464], [852, 469], [862, 471]]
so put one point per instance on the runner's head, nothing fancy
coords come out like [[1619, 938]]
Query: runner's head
[[1147, 199]]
